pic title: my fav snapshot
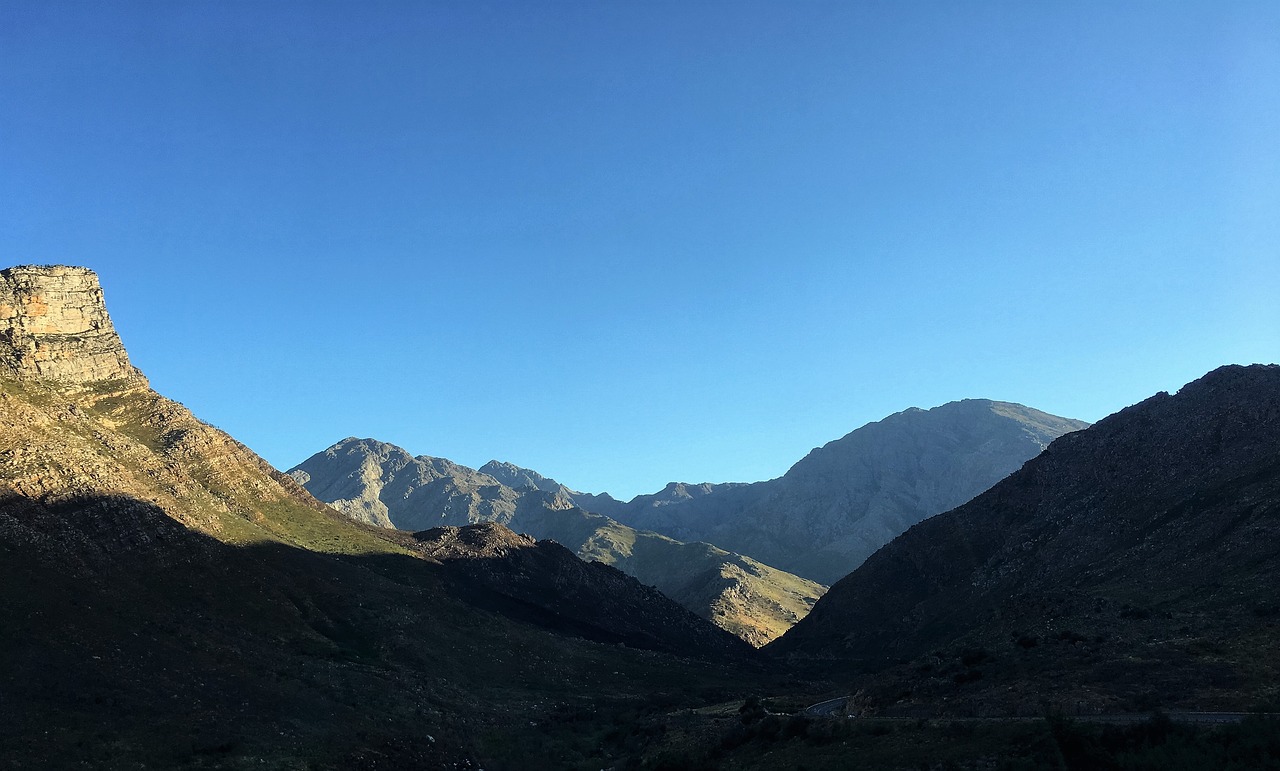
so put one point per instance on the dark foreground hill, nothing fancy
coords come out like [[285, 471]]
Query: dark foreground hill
[[168, 600], [1130, 565], [547, 584]]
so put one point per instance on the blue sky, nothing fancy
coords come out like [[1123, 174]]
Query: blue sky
[[627, 243]]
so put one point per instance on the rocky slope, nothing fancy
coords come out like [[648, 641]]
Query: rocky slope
[[173, 601], [846, 499], [1131, 564], [516, 478], [383, 484]]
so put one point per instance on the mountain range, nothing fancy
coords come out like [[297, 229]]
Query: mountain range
[[170, 600], [384, 485], [844, 500]]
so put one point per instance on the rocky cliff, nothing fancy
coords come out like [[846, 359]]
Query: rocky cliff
[[54, 326]]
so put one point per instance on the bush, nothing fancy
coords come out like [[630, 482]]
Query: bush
[[751, 710]]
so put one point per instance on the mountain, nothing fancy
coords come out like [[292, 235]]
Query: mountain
[[546, 582], [1131, 564], [172, 601], [384, 485], [846, 499], [517, 478]]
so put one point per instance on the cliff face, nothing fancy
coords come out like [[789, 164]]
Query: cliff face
[[79, 424], [54, 326]]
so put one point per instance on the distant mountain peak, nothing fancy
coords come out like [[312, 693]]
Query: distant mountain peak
[[845, 499], [518, 477], [54, 326]]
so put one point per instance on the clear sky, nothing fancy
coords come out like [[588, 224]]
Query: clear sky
[[625, 243]]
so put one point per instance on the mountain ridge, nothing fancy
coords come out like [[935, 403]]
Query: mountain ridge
[[1150, 536], [843, 500], [376, 482]]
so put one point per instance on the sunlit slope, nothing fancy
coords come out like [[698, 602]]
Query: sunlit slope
[[59, 442]]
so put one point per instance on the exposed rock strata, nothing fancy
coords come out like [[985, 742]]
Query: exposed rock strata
[[160, 580], [54, 326]]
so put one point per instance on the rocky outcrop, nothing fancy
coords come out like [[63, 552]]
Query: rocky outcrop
[[515, 477], [54, 326]]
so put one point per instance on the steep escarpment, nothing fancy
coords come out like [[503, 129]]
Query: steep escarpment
[[376, 482], [54, 326], [1133, 562]]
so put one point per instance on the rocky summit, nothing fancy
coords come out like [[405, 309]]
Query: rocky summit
[[54, 326]]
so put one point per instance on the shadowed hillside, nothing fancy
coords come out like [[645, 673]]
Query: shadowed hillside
[[1131, 564]]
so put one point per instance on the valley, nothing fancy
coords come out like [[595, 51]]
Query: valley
[[172, 600]]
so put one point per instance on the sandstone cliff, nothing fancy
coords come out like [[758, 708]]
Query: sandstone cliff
[[54, 326]]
